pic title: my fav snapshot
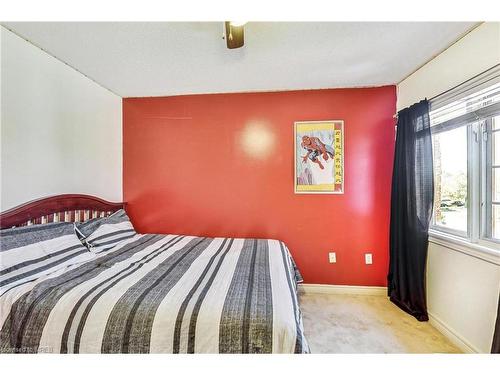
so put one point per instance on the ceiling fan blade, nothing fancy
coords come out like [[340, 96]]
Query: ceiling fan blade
[[234, 36]]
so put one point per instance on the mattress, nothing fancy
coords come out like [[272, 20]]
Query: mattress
[[161, 294]]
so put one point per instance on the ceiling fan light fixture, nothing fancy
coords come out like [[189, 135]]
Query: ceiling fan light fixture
[[234, 35]]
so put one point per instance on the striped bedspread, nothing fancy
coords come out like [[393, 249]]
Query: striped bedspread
[[161, 294]]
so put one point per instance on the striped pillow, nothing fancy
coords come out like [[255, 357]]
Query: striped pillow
[[27, 253], [104, 233]]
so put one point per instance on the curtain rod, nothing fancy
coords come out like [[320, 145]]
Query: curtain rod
[[455, 87]]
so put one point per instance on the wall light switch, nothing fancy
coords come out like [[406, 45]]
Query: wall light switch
[[332, 257], [368, 258]]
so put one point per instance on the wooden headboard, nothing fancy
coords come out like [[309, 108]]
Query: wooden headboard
[[66, 207]]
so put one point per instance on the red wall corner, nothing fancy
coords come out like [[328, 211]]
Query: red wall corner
[[197, 165]]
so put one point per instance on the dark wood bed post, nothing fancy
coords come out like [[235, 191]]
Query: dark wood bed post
[[65, 207]]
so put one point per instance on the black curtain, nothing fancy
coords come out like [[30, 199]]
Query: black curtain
[[495, 347], [411, 208]]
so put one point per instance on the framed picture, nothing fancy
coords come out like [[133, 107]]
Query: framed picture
[[319, 157]]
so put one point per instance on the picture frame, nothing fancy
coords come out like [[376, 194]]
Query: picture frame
[[319, 157]]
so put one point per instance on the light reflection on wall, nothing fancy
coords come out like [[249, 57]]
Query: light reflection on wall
[[257, 140]]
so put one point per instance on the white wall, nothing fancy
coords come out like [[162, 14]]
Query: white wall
[[462, 294], [473, 54], [60, 131], [462, 289]]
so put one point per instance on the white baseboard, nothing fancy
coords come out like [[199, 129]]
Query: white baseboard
[[452, 335], [343, 289]]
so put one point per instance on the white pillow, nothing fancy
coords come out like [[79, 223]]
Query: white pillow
[[26, 253], [111, 231]]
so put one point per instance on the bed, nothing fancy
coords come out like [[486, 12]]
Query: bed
[[141, 293]]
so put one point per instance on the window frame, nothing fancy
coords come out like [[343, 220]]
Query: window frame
[[485, 237], [478, 185]]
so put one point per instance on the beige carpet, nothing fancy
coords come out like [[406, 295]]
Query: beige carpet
[[336, 323]]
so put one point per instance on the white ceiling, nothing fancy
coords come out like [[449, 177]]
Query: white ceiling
[[172, 58]]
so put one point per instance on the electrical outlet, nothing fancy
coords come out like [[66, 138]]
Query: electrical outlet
[[368, 258], [332, 257]]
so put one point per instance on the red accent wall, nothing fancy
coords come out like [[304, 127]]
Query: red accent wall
[[189, 167]]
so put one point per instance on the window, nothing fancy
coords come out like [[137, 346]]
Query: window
[[465, 127], [450, 180]]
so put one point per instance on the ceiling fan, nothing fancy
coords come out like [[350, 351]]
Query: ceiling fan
[[234, 35]]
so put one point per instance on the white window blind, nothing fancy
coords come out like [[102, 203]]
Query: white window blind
[[477, 98]]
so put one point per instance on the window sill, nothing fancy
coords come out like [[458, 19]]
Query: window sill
[[455, 243]]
